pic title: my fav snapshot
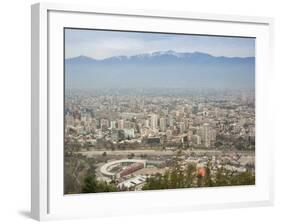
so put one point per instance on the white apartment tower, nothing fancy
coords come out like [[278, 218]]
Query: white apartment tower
[[163, 124], [205, 133], [154, 121]]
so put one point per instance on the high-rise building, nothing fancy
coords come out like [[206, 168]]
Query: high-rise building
[[195, 109], [127, 124], [189, 135], [121, 124], [129, 133], [69, 120], [213, 135], [252, 131], [154, 121], [171, 121], [146, 123], [196, 139], [182, 127], [163, 124], [112, 124], [104, 123], [205, 133]]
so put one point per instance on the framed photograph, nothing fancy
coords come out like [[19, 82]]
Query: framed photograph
[[148, 111]]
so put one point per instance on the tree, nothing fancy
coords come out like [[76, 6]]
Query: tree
[[173, 178], [222, 177], [70, 185], [190, 174], [92, 185], [208, 182], [190, 177], [245, 178]]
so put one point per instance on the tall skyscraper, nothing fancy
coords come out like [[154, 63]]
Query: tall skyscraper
[[163, 124], [205, 133], [171, 121], [154, 121], [182, 127]]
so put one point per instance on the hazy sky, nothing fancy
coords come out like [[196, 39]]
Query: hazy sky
[[103, 44]]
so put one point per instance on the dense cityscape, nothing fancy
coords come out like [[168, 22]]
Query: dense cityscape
[[146, 139]]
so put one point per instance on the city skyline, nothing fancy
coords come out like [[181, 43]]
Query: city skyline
[[124, 141]]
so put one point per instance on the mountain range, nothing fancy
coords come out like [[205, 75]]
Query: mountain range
[[161, 69]]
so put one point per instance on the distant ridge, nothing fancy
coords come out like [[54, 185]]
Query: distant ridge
[[161, 69], [157, 54]]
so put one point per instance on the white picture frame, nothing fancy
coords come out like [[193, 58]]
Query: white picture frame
[[47, 199]]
